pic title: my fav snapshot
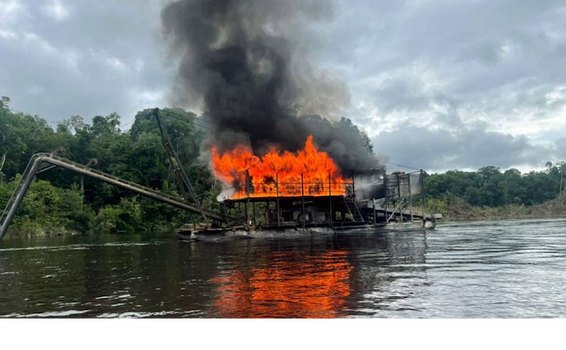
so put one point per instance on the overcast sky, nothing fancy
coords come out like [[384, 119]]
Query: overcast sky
[[436, 84]]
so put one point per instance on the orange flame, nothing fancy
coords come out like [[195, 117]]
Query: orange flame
[[279, 174]]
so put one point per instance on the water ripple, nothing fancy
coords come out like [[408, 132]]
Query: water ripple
[[504, 269]]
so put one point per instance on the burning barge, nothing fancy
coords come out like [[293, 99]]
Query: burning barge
[[380, 202], [285, 194]]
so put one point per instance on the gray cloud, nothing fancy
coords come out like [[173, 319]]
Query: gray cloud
[[453, 72], [477, 70], [61, 58], [468, 148]]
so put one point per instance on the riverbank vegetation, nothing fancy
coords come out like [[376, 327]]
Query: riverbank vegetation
[[64, 202], [491, 193]]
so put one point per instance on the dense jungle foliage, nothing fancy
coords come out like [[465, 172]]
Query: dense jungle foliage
[[493, 193]]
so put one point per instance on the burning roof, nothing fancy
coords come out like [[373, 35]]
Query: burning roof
[[308, 172]]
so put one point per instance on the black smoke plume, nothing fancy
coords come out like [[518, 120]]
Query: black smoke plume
[[246, 63]]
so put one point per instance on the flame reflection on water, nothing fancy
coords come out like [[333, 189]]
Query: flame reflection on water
[[291, 285]]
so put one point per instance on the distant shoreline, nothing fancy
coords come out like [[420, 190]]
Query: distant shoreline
[[448, 219], [460, 211]]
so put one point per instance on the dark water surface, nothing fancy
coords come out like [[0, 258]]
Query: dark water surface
[[508, 269]]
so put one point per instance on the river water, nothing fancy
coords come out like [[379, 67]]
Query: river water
[[506, 269]]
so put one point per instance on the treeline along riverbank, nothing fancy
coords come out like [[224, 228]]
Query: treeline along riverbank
[[60, 202], [491, 193]]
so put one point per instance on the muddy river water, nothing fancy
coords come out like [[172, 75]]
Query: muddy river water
[[505, 269]]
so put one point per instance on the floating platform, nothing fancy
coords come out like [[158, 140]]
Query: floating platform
[[189, 233]]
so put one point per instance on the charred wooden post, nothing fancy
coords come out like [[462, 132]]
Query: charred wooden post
[[303, 199], [247, 204], [330, 196], [401, 198], [423, 195], [255, 217], [277, 206]]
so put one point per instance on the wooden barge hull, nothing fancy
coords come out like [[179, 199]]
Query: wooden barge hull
[[219, 234]]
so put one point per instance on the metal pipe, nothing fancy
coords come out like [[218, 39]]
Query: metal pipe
[[173, 153], [410, 196], [130, 186], [81, 169], [23, 188], [398, 187], [395, 210]]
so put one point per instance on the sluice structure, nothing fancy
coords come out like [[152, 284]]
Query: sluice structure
[[43, 161]]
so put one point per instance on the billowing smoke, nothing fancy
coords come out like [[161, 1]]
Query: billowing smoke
[[246, 63]]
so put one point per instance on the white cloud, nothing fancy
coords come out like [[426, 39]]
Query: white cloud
[[557, 95], [116, 64], [6, 34], [56, 10], [148, 98], [11, 12]]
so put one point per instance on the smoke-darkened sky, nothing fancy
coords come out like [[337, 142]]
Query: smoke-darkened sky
[[436, 84]]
